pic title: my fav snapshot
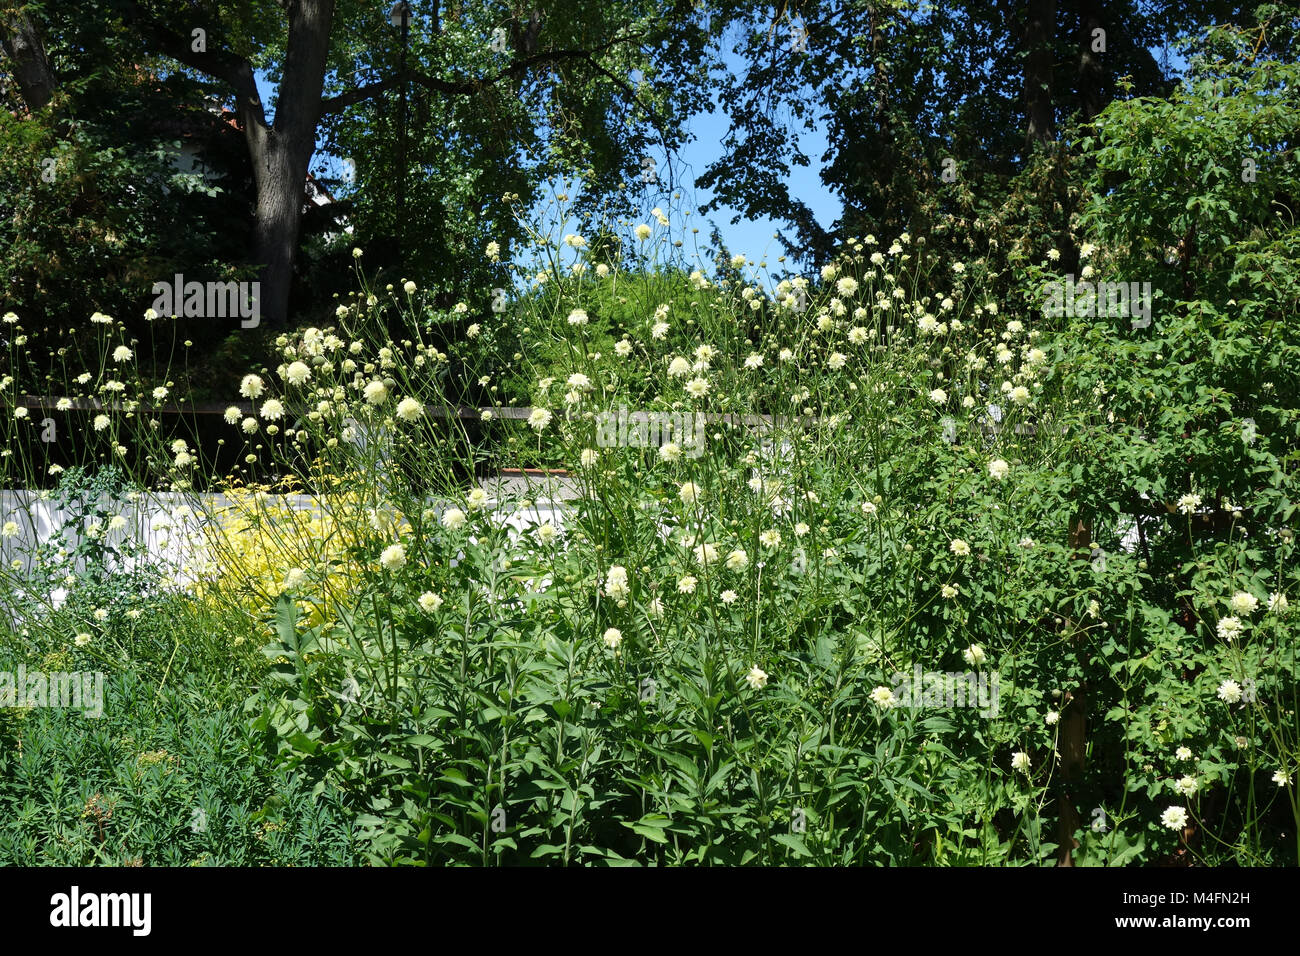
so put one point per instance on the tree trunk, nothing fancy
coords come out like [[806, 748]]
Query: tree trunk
[[282, 154], [1040, 36], [281, 172], [1090, 63], [31, 67]]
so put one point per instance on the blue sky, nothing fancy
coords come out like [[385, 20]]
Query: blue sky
[[754, 237]]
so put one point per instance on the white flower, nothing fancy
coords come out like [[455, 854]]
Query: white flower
[[578, 317], [1182, 753], [679, 367], [959, 547], [616, 585], [771, 538], [588, 458], [1020, 395], [938, 396], [642, 232], [659, 330], [836, 361], [729, 596], [686, 584], [1026, 543], [613, 637], [757, 678], [737, 560], [868, 508], [453, 519], [974, 655], [1175, 818], [1229, 692], [1020, 761], [948, 591], [1277, 604], [297, 373], [1051, 717], [232, 415], [429, 602], [1281, 778], [1243, 603], [697, 387], [846, 286], [293, 578], [376, 392], [408, 409], [476, 499], [1229, 628], [998, 469], [82, 639], [689, 492], [622, 348], [706, 553], [1186, 785], [884, 698], [539, 419], [1188, 503], [101, 422], [272, 409], [251, 386], [393, 558], [249, 425], [121, 354]]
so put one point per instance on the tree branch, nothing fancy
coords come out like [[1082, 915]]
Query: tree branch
[[233, 70], [463, 86]]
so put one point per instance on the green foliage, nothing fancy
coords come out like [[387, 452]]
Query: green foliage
[[166, 777]]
